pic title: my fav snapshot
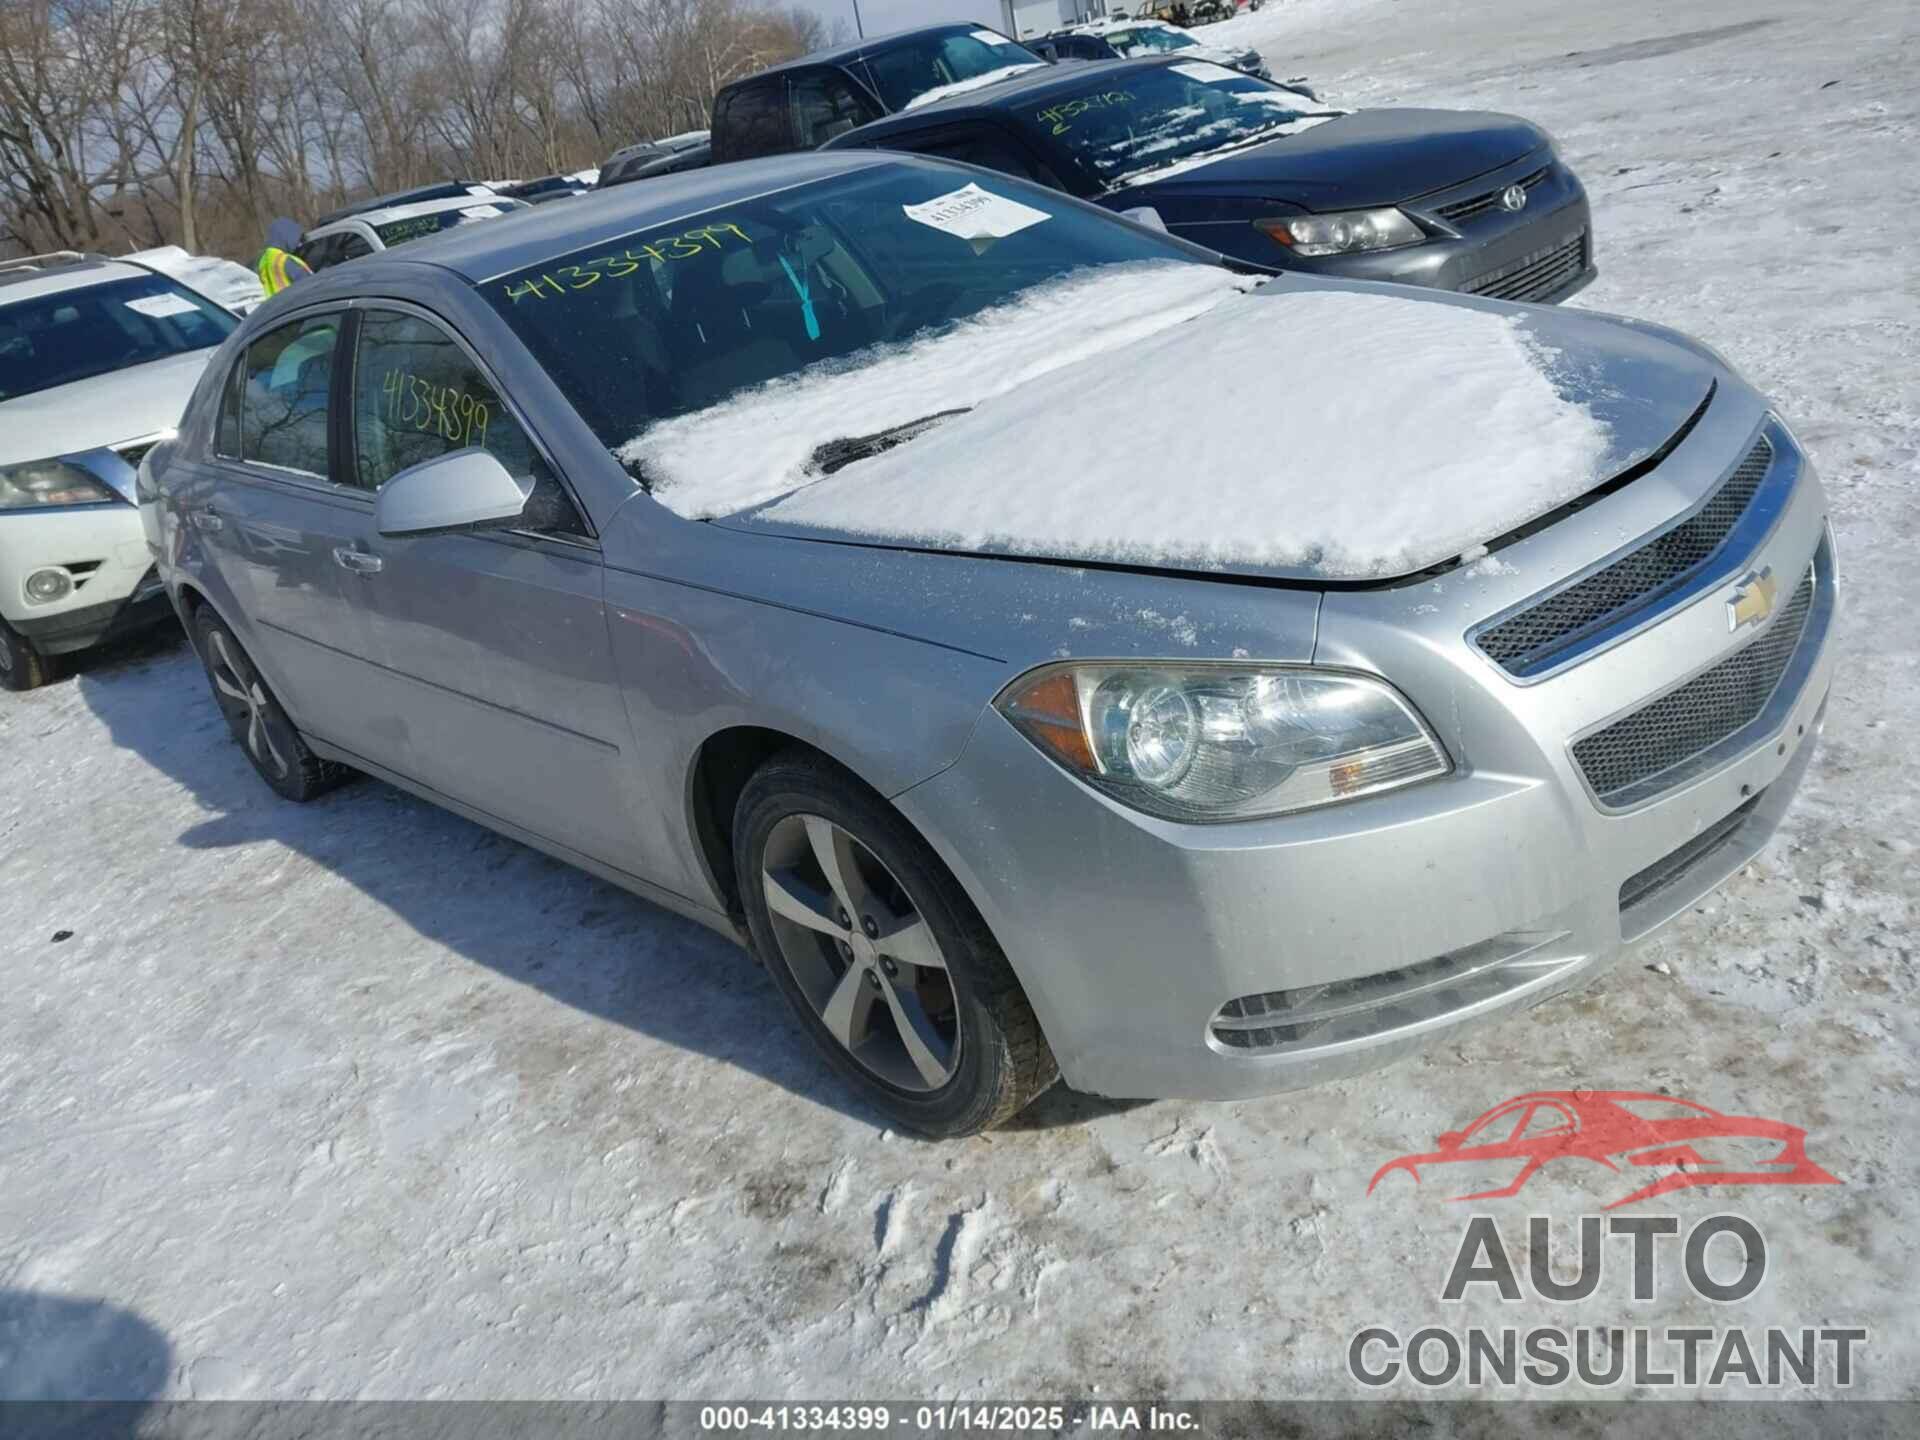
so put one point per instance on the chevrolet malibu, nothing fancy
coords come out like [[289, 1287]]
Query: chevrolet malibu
[[766, 540]]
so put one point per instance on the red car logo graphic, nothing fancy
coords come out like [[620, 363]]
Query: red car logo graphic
[[1693, 1144]]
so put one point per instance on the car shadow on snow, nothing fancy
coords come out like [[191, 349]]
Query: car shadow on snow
[[535, 920], [64, 1348]]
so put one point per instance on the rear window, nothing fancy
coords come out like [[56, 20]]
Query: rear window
[[94, 330], [902, 73], [1161, 115], [837, 273]]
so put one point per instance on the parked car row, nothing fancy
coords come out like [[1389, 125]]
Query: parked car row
[[763, 539]]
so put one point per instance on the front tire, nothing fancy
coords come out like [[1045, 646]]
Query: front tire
[[261, 728], [21, 666], [885, 962]]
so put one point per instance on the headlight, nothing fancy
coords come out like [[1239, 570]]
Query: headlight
[[51, 482], [1346, 233], [1224, 741]]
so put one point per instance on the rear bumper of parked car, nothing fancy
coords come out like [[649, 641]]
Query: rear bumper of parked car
[[1213, 962], [1542, 253]]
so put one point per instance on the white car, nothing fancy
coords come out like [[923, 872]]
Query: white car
[[371, 230], [97, 359]]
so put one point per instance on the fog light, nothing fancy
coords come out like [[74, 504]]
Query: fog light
[[46, 586]]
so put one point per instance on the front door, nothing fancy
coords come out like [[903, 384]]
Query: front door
[[497, 667]]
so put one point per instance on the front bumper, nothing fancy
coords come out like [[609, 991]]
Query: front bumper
[[103, 551], [1173, 960], [85, 626], [1543, 253]]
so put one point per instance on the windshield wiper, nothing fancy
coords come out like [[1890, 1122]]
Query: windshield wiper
[[838, 454]]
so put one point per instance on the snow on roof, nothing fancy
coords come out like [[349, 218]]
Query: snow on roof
[[503, 203], [977, 82], [224, 281], [1333, 432], [759, 443]]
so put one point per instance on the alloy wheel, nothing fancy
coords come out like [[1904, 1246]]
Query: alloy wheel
[[243, 698], [861, 953]]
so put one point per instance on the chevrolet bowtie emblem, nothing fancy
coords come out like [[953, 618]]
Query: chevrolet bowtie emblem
[[1753, 601]]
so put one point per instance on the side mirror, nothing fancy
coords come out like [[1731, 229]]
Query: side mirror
[[465, 490]]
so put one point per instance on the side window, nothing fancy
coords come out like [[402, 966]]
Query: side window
[[1545, 1120], [826, 104], [283, 402], [352, 246], [320, 253], [753, 122], [417, 396]]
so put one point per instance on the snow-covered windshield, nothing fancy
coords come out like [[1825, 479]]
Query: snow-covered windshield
[[1149, 40], [1132, 124], [834, 276], [901, 73], [92, 330]]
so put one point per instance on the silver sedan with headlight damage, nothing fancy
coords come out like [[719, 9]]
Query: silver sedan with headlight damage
[[786, 543]]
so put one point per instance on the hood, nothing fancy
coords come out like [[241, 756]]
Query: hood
[[1345, 433], [1372, 157], [101, 412]]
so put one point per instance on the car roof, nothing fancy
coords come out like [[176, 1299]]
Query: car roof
[[57, 276], [856, 49], [480, 252], [1021, 89], [392, 198], [418, 208]]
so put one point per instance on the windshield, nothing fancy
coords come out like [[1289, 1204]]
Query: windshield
[[831, 276], [903, 73], [418, 227], [1162, 115], [93, 330], [1149, 40]]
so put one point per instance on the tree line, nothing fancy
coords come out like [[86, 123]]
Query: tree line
[[129, 123]]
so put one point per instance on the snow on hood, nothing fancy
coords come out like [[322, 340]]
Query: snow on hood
[[103, 411], [975, 82], [759, 443], [225, 282], [1334, 433]]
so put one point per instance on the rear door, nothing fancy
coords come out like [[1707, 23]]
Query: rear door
[[274, 515], [497, 677]]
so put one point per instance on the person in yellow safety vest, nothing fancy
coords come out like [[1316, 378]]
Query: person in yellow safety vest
[[279, 267]]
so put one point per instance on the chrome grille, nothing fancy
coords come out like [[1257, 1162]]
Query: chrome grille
[[1538, 276], [1467, 209], [1525, 642], [1707, 709]]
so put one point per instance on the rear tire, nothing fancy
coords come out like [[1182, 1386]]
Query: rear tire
[[260, 727], [21, 666], [941, 1036]]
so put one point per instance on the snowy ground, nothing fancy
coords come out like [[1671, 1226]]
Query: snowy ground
[[358, 1100]]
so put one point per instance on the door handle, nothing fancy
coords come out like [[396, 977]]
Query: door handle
[[358, 561], [210, 520]]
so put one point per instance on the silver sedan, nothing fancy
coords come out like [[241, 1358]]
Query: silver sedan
[[830, 549]]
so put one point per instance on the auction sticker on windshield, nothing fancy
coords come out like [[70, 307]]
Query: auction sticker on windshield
[[977, 216], [159, 307]]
